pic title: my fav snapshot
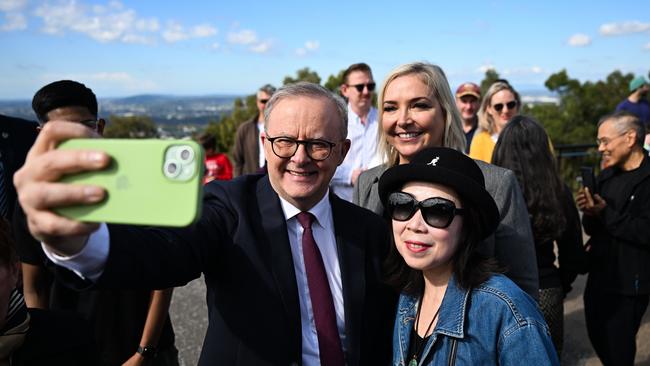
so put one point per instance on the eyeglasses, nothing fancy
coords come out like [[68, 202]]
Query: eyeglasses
[[359, 87], [606, 140], [499, 106], [286, 147], [90, 123], [263, 101], [437, 212]]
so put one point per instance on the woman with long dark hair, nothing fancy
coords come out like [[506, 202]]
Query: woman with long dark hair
[[523, 147], [453, 307]]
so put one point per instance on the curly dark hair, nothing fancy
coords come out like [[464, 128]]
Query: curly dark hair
[[525, 148]]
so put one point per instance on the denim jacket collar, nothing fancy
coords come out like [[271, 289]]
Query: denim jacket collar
[[451, 319]]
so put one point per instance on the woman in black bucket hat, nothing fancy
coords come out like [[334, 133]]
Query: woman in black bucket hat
[[453, 307]]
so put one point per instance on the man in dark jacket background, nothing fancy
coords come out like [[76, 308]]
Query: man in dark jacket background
[[617, 217]]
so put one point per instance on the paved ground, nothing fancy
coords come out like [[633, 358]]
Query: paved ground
[[189, 316]]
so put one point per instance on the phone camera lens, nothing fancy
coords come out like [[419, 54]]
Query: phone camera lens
[[185, 154], [172, 169]]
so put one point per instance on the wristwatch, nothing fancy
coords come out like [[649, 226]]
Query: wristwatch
[[147, 351]]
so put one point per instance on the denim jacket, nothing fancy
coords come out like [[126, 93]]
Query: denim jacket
[[495, 323]]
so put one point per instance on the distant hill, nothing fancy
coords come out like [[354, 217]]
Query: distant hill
[[163, 109]]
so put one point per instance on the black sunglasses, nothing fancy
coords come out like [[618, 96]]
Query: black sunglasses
[[263, 101], [437, 212], [511, 105], [359, 87]]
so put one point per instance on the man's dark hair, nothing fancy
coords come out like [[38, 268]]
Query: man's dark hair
[[469, 266], [356, 67], [208, 141], [63, 93]]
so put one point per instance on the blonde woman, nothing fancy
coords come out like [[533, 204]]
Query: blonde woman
[[417, 111], [500, 104]]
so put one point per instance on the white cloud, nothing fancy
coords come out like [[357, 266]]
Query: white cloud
[[621, 28], [12, 5], [204, 30], [215, 46], [244, 37], [646, 47], [312, 45], [261, 47], [113, 22], [174, 33], [13, 22], [485, 68], [579, 40]]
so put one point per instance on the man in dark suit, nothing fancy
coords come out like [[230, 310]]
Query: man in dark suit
[[16, 137], [248, 154], [293, 273]]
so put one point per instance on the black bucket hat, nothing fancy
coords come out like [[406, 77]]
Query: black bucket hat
[[450, 168]]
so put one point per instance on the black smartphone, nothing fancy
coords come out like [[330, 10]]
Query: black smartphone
[[589, 179]]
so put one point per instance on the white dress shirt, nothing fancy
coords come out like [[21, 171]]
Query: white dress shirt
[[362, 153], [261, 157], [90, 262]]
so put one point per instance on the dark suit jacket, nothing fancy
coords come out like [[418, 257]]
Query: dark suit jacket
[[241, 246], [246, 152], [16, 138]]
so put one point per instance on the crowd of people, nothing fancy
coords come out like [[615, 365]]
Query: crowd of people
[[432, 229]]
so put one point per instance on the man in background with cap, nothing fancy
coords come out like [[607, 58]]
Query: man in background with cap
[[468, 101], [637, 102]]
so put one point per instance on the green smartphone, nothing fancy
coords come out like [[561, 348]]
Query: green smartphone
[[148, 182]]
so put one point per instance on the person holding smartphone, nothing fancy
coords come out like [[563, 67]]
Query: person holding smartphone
[[617, 219]]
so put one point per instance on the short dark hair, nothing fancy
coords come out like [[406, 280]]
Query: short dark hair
[[470, 267], [63, 93], [7, 251], [361, 66], [207, 140], [624, 121], [268, 89]]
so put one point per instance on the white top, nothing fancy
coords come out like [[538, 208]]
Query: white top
[[90, 263], [362, 154]]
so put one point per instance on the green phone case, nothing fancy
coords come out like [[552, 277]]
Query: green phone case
[[148, 182]]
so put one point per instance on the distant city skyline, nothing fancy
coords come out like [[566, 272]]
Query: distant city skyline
[[124, 48]]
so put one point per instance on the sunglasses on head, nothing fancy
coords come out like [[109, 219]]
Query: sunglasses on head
[[263, 101], [499, 106], [437, 212], [359, 87]]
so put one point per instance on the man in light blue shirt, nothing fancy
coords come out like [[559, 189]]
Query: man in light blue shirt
[[358, 87]]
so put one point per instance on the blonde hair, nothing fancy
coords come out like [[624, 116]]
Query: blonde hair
[[434, 78], [485, 120]]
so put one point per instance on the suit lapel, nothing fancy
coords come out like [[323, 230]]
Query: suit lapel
[[351, 253], [275, 230]]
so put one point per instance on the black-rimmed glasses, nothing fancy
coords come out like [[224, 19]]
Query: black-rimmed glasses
[[286, 147], [437, 212], [359, 87], [499, 106]]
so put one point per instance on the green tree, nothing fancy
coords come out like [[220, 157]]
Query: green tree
[[303, 75], [138, 127], [491, 75], [334, 81]]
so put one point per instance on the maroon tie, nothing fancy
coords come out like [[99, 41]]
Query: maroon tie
[[329, 342]]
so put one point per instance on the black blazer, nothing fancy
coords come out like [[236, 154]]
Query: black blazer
[[16, 138], [241, 246]]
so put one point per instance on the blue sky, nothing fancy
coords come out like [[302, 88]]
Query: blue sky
[[127, 47]]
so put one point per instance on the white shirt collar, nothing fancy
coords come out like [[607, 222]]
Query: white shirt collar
[[372, 115], [322, 210]]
